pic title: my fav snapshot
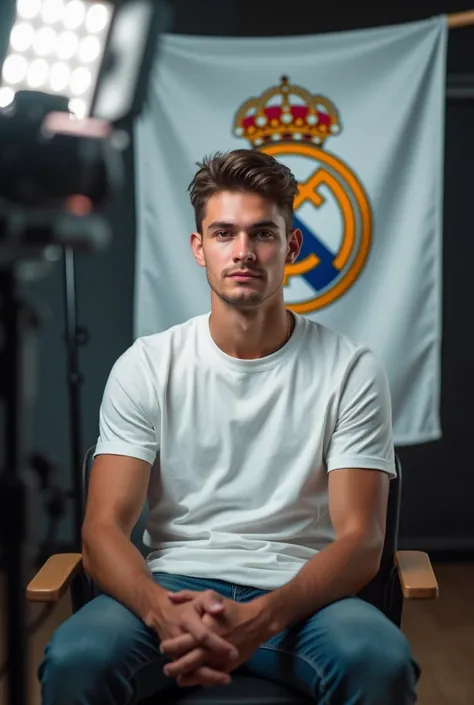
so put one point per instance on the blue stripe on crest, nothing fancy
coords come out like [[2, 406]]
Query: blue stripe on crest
[[322, 275]]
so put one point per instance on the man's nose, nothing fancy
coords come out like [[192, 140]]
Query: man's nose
[[243, 249]]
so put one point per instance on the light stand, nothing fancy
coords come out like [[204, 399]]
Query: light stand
[[24, 236], [75, 337]]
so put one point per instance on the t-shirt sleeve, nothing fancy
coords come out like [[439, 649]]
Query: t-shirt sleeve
[[363, 435], [128, 414]]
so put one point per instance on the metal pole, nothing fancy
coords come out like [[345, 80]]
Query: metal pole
[[74, 338]]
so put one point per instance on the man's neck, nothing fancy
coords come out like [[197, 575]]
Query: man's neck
[[250, 334]]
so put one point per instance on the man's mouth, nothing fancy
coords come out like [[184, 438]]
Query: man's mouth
[[244, 275]]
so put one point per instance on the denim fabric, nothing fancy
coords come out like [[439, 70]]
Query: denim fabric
[[347, 653]]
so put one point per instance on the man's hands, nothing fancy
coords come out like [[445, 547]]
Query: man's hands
[[173, 619], [238, 626]]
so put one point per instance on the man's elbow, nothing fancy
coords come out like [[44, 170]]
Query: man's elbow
[[87, 534], [372, 548], [92, 537], [86, 550], [366, 548]]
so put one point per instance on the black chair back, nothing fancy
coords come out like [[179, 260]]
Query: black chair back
[[383, 591]]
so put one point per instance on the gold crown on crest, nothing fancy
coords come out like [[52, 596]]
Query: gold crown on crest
[[272, 117]]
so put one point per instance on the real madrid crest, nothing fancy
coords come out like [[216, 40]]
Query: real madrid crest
[[332, 208]]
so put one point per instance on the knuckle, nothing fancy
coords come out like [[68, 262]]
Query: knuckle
[[205, 638], [211, 594]]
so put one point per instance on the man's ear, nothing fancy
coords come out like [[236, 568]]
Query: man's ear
[[295, 241], [197, 248]]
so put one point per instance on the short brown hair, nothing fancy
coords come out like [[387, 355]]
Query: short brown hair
[[243, 170]]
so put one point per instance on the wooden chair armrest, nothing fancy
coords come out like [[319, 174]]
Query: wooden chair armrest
[[417, 578], [53, 579]]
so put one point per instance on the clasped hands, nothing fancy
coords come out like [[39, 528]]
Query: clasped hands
[[206, 636]]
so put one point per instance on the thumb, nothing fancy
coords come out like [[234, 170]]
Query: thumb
[[213, 604]]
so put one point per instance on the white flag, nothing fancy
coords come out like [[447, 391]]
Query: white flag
[[359, 118]]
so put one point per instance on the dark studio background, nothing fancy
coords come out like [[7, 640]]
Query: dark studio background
[[438, 490]]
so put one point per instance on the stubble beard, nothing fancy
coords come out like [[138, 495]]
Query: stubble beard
[[242, 299]]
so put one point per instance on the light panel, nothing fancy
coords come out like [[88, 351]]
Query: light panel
[[57, 46]]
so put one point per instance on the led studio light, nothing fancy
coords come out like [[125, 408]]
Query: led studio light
[[57, 47]]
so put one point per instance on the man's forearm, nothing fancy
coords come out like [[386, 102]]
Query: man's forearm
[[119, 569], [339, 570]]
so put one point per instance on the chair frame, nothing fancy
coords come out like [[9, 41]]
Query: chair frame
[[402, 574]]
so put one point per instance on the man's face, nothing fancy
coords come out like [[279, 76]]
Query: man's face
[[244, 247]]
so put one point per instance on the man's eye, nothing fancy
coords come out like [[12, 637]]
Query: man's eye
[[263, 234], [221, 234]]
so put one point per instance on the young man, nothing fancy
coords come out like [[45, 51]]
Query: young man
[[263, 442]]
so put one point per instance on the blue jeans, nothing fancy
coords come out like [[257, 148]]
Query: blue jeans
[[347, 653]]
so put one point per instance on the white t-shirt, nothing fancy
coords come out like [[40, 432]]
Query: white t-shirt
[[241, 449]]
